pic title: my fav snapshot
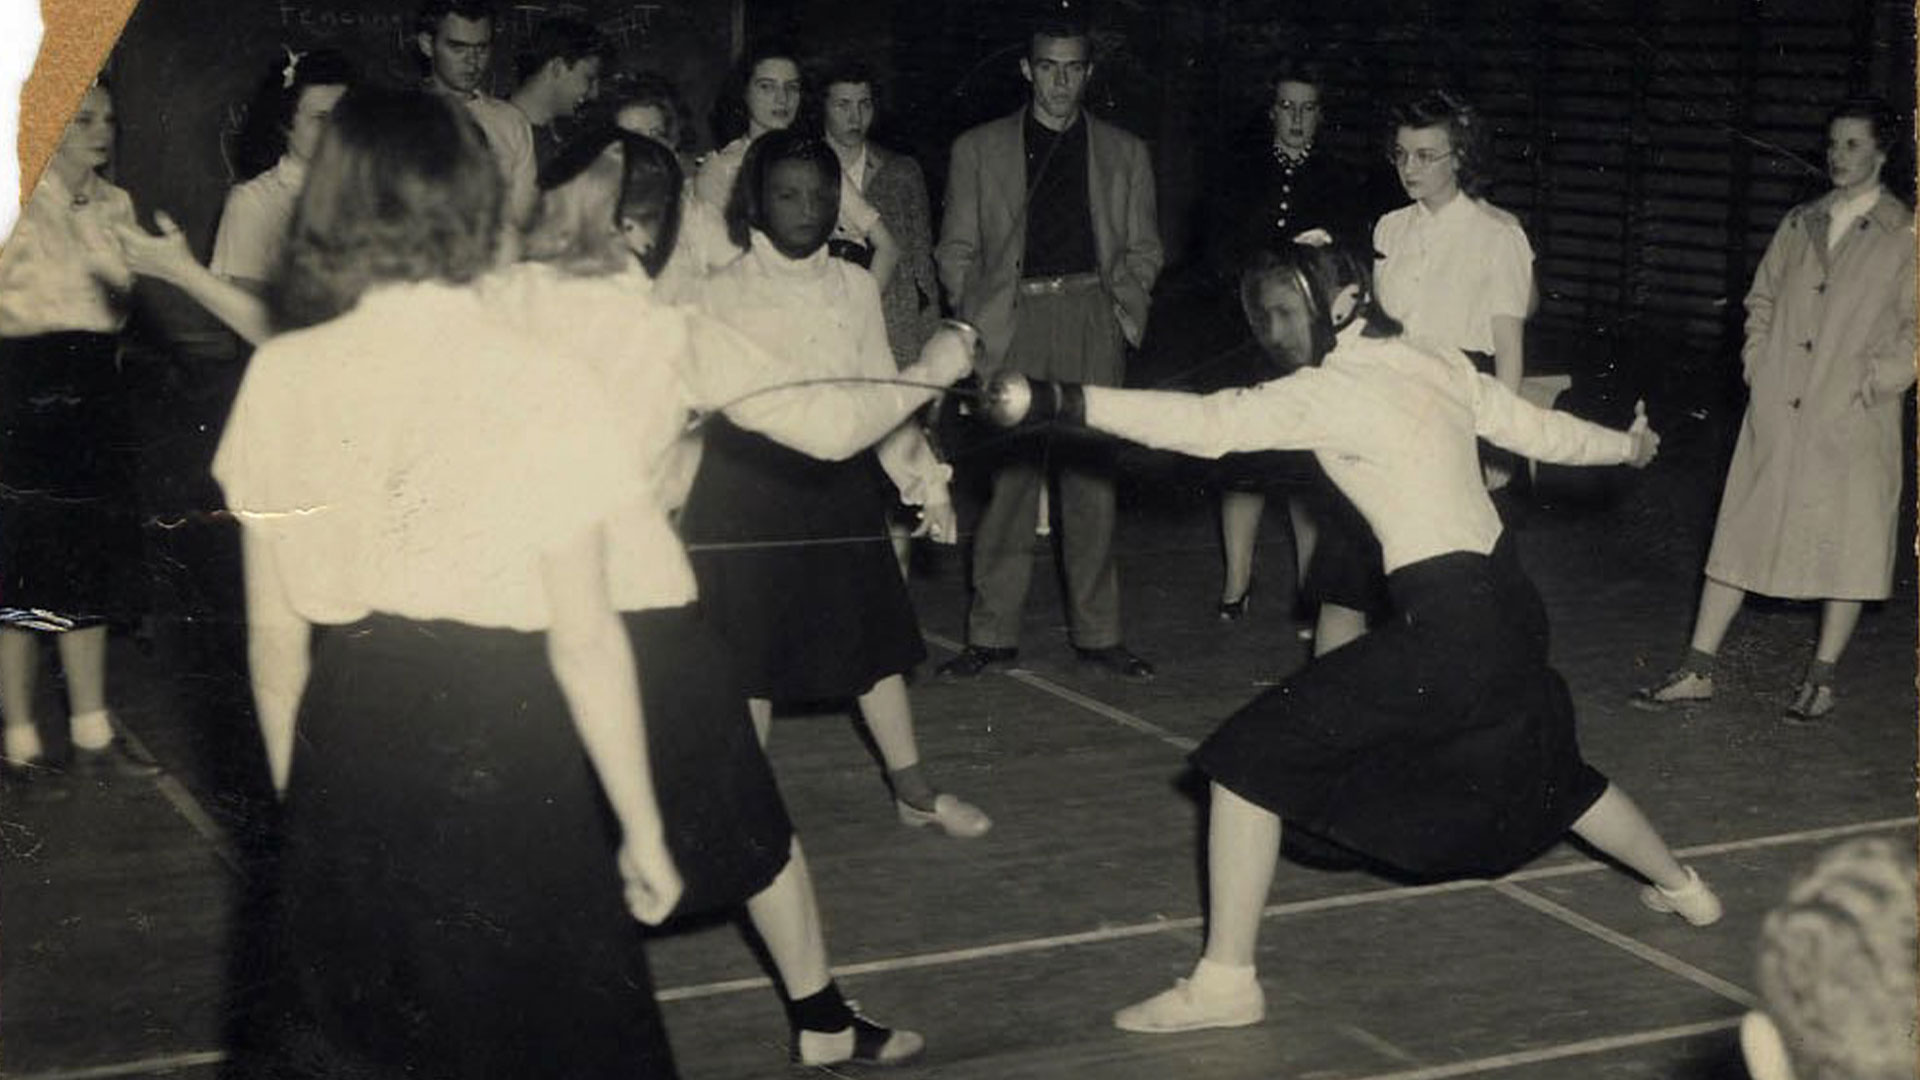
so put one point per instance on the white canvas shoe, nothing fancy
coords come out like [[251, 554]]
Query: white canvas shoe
[[1183, 1008], [1694, 901]]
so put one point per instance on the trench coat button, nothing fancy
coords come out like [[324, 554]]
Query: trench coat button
[[1807, 345], [1794, 404], [1820, 288]]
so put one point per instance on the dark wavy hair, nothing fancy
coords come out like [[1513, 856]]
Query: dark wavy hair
[[1889, 134], [730, 108], [262, 137], [1061, 27], [427, 18], [1295, 69], [650, 186], [565, 39], [1318, 273], [744, 212], [402, 188], [1467, 131], [850, 71]]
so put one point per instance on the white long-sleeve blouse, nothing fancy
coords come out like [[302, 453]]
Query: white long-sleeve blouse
[[1393, 424]]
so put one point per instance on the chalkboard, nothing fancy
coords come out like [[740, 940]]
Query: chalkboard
[[184, 69]]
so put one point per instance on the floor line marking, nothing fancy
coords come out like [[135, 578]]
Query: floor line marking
[[188, 807], [1659, 958], [1556, 1053], [1091, 704], [1375, 1043], [1295, 907], [137, 1067]]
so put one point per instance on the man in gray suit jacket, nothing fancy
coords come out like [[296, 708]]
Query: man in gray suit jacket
[[1050, 246]]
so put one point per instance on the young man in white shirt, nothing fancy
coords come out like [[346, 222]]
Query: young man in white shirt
[[455, 38], [559, 71]]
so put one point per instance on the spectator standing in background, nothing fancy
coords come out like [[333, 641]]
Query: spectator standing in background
[[455, 39], [559, 71], [1456, 270], [1812, 501], [1050, 244]]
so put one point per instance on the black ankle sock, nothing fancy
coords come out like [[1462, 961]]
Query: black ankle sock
[[912, 788], [1820, 672], [824, 1010], [1700, 662]]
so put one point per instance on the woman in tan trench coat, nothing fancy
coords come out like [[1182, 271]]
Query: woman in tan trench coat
[[1812, 496]]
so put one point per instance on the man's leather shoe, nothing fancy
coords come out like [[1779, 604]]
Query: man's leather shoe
[[975, 659], [1117, 659]]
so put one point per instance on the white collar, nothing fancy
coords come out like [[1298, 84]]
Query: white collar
[[1458, 208], [775, 262], [290, 171], [1856, 206], [855, 166]]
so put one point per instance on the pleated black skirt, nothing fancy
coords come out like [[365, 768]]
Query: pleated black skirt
[[796, 569], [449, 903], [726, 824], [69, 523], [1440, 745]]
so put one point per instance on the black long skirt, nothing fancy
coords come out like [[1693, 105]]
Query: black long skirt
[[69, 526], [796, 569], [449, 903], [1440, 745], [726, 824]]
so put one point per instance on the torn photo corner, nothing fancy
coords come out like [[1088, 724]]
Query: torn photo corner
[[50, 50], [20, 31]]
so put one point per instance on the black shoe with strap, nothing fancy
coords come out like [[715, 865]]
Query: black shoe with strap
[[871, 1044], [1233, 610], [975, 659]]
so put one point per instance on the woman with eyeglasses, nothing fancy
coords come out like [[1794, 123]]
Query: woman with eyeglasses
[[1286, 187], [1454, 269]]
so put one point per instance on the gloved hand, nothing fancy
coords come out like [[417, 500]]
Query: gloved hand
[[1013, 400]]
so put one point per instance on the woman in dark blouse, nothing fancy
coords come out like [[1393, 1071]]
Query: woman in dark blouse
[[1279, 189]]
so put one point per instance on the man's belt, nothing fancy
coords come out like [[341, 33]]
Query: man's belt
[[1048, 286]]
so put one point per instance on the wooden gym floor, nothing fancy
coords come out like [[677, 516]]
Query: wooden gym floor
[[1010, 952]]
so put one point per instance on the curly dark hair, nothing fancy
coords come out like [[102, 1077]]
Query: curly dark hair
[[744, 210], [1467, 131], [402, 188], [262, 137]]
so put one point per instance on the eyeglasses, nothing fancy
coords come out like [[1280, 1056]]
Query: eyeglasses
[[1422, 158]]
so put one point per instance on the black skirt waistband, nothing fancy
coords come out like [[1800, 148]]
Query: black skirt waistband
[[1440, 578]]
